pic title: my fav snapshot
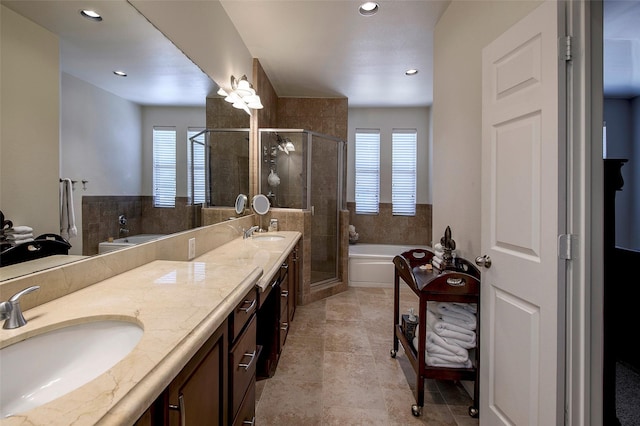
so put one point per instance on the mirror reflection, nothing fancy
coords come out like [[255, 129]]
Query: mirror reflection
[[100, 130]]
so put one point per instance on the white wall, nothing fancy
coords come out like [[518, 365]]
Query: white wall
[[622, 117], [181, 118], [386, 119], [99, 143], [29, 123], [461, 33]]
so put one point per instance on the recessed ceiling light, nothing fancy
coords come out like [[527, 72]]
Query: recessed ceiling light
[[91, 15], [368, 8], [120, 73], [412, 71]]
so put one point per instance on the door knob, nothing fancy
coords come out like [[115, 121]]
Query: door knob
[[483, 261]]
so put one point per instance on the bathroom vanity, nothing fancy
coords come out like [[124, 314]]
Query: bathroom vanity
[[198, 355]]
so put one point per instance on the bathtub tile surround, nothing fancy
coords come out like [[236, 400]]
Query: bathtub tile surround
[[100, 218], [384, 228], [325, 376]]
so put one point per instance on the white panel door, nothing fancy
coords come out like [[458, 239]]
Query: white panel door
[[521, 339]]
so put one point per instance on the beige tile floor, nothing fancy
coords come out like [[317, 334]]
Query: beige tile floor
[[335, 369]]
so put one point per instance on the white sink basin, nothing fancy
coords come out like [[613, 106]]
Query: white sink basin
[[268, 237], [45, 367]]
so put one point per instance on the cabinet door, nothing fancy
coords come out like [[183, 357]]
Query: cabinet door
[[294, 277], [198, 396]]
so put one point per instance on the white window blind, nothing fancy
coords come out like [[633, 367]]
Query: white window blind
[[367, 171], [403, 170], [164, 166], [196, 173]]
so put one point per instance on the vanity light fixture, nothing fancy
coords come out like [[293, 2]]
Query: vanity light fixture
[[91, 15], [242, 95], [368, 8], [411, 71], [120, 73]]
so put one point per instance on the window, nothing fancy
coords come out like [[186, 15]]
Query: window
[[403, 170], [367, 171], [164, 166], [197, 175]]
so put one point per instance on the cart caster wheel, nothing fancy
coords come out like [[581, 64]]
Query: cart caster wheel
[[415, 410], [393, 353], [474, 412]]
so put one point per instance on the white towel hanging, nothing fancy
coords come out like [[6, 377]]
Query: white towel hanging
[[67, 217]]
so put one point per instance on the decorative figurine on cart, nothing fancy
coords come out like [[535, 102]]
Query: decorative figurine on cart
[[448, 246]]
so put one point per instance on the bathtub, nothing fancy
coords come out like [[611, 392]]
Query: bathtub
[[371, 265], [121, 243]]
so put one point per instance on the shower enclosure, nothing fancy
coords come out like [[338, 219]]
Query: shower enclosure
[[301, 169], [218, 166]]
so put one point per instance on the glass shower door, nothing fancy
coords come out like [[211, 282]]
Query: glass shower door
[[324, 195]]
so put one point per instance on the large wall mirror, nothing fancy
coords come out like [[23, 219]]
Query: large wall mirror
[[106, 122]]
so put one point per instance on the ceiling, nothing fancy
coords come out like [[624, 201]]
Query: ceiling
[[311, 48]]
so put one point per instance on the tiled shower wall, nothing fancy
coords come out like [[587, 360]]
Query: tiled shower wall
[[100, 218]]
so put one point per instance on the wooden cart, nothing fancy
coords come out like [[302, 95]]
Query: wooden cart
[[457, 283]]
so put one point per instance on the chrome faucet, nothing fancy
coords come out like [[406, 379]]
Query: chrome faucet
[[246, 234], [122, 220], [11, 311]]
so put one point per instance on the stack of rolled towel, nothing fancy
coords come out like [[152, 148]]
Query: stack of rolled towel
[[438, 256], [450, 334], [18, 234]]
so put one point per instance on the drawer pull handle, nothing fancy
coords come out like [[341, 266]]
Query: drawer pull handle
[[455, 282], [284, 293], [250, 307], [284, 326], [251, 422], [180, 407], [246, 366]]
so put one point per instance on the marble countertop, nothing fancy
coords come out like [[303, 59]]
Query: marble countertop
[[267, 255], [178, 304]]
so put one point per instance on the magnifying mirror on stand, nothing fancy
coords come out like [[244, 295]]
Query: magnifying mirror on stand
[[241, 204], [260, 204]]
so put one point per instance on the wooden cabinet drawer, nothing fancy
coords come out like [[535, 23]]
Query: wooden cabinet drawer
[[247, 413], [243, 360], [243, 312]]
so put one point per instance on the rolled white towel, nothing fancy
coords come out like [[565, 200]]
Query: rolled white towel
[[469, 325], [436, 359], [19, 230], [450, 311], [437, 345], [19, 237], [450, 332], [470, 307]]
